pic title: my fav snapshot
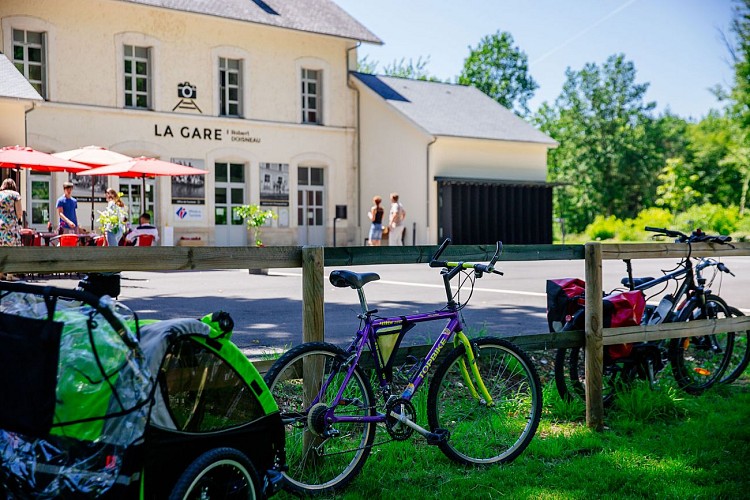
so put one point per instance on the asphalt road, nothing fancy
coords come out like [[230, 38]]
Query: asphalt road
[[267, 309]]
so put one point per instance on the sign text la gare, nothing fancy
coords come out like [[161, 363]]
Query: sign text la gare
[[209, 134]]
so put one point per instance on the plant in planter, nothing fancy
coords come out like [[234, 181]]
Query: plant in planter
[[255, 218]]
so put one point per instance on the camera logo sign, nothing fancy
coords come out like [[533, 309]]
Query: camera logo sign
[[187, 94]]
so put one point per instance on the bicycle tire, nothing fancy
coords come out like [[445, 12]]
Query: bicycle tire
[[224, 473], [570, 379], [699, 362], [482, 434], [740, 357], [339, 459]]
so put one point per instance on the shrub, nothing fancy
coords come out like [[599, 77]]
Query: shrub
[[603, 228], [710, 218]]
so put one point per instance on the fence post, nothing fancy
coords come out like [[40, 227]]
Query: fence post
[[312, 294], [594, 347]]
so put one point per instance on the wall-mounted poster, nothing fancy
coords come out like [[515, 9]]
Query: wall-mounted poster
[[274, 184], [82, 187], [189, 189]]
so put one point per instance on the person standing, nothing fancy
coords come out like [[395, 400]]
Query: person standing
[[114, 217], [376, 217], [11, 212], [396, 222], [66, 210]]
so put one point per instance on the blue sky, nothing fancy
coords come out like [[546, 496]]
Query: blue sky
[[676, 45]]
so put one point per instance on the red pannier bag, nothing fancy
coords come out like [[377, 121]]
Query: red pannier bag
[[623, 309], [562, 299]]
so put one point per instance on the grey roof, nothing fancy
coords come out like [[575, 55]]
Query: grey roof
[[13, 84], [314, 16], [444, 109]]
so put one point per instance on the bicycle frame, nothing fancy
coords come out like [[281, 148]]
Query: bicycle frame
[[367, 336]]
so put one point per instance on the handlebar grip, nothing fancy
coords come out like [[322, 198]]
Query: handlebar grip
[[655, 229], [438, 263], [445, 243]]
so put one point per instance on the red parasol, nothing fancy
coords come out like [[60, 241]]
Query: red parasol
[[145, 167], [23, 157], [93, 156]]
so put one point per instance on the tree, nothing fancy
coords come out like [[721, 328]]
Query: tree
[[610, 152], [500, 70], [402, 69]]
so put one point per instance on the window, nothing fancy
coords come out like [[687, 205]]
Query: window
[[204, 393], [311, 96], [137, 77], [230, 87], [29, 56]]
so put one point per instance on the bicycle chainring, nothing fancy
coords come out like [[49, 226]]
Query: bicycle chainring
[[398, 430]]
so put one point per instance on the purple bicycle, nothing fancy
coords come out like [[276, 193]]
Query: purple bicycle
[[483, 405]]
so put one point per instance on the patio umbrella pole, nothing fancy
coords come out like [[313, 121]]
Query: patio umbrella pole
[[93, 180], [143, 194]]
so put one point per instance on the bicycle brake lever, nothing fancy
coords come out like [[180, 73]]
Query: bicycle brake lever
[[724, 268]]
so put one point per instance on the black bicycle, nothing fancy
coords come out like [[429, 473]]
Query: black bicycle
[[697, 362]]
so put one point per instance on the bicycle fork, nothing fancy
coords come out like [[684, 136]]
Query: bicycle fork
[[485, 395]]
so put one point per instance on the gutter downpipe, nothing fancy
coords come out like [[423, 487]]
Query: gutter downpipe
[[27, 198], [358, 151], [427, 187]]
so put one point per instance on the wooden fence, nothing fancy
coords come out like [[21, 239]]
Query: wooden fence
[[313, 259]]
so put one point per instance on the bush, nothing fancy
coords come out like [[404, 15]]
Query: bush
[[710, 218], [603, 228]]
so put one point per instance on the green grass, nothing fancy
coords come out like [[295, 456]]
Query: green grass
[[657, 443]]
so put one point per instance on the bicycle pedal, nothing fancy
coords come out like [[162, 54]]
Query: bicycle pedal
[[439, 436]]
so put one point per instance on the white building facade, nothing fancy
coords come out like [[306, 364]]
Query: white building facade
[[260, 94]]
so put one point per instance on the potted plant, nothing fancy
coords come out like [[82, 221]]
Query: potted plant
[[255, 218]]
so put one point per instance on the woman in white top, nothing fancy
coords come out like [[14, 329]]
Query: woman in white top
[[396, 222]]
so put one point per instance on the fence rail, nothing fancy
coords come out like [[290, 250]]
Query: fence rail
[[312, 260]]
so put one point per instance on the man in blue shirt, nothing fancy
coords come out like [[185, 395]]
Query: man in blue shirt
[[66, 209]]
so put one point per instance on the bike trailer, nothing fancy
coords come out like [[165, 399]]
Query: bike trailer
[[90, 409]]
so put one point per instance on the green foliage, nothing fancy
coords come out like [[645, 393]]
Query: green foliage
[[603, 228], [414, 70], [255, 217], [710, 218], [609, 144], [500, 70]]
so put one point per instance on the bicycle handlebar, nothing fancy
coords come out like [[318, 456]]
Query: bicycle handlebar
[[697, 236], [456, 267]]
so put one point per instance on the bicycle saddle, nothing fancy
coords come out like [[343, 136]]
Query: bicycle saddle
[[342, 279], [636, 281]]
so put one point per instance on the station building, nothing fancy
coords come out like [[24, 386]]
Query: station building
[[265, 96]]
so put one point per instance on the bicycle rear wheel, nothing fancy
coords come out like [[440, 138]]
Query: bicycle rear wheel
[[480, 433], [740, 356], [319, 462], [570, 377], [699, 362]]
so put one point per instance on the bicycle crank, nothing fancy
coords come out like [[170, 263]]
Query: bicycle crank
[[437, 437]]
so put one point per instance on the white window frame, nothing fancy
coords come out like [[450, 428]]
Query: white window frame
[[229, 52], [26, 63], [24, 23], [130, 54], [138, 40], [308, 78], [224, 100], [323, 92]]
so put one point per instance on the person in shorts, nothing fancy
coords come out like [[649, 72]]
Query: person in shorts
[[66, 210]]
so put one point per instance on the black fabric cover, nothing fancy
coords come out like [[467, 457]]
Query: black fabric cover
[[29, 356]]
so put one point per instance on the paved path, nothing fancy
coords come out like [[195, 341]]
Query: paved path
[[267, 309]]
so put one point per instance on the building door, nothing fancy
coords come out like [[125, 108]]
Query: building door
[[481, 212], [310, 206], [131, 190], [41, 209], [229, 194]]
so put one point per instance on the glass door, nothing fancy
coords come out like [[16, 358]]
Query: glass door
[[131, 190], [310, 206], [228, 195], [40, 202]]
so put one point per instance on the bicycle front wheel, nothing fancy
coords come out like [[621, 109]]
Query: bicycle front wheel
[[699, 362], [482, 433], [740, 356], [321, 458]]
